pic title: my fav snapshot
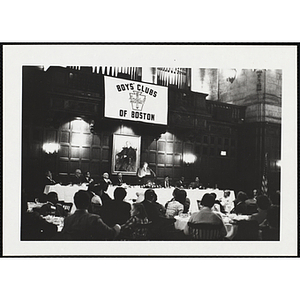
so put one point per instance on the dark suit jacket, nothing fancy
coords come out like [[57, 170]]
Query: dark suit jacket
[[116, 212], [240, 208], [103, 185], [118, 182], [151, 210], [85, 226], [78, 180]]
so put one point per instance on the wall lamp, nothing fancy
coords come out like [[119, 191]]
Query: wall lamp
[[223, 153], [51, 148], [189, 158]]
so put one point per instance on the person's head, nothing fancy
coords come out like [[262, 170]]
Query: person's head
[[197, 179], [150, 195], [182, 178], [273, 216], [175, 193], [119, 194], [105, 175], [87, 174], [145, 164], [82, 199], [241, 196], [138, 210], [226, 193], [208, 200], [263, 202], [78, 173], [167, 178], [181, 196], [119, 175], [52, 197]]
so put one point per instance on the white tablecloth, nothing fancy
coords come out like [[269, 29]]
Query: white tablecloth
[[165, 194], [66, 193]]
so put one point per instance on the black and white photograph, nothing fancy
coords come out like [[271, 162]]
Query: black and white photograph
[[187, 151]]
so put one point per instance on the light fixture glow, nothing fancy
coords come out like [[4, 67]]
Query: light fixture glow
[[51, 148], [189, 158], [223, 153]]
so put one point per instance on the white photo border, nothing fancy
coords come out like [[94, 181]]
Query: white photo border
[[180, 55]]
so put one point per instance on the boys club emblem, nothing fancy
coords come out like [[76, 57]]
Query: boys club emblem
[[137, 100]]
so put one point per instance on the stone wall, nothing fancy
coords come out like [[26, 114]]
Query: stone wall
[[259, 90]]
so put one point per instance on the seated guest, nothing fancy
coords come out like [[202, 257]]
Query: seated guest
[[49, 178], [88, 179], [263, 203], [226, 202], [270, 228], [138, 216], [95, 206], [78, 178], [218, 207], [119, 180], [166, 182], [84, 226], [255, 194], [117, 211], [52, 206], [35, 228], [206, 215], [195, 184], [105, 182], [181, 183], [181, 197], [160, 208], [174, 207], [240, 207], [174, 194], [151, 207], [101, 188], [252, 203], [161, 225]]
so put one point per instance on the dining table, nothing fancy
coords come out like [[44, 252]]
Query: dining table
[[135, 194]]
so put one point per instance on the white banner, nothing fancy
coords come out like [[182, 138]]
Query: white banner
[[135, 101]]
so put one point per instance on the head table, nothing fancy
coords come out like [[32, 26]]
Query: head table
[[136, 193]]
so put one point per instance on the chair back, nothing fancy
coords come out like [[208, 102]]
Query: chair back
[[205, 231], [142, 232]]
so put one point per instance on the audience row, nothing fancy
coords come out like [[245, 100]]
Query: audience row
[[98, 217]]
